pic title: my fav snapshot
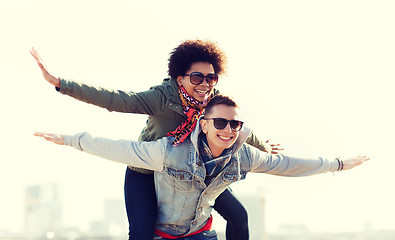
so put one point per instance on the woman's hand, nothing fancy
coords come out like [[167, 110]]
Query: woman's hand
[[49, 77], [353, 162], [55, 138], [271, 147]]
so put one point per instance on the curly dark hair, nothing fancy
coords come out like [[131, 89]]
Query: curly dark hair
[[191, 51]]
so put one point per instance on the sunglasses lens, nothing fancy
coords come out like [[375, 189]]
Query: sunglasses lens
[[236, 125], [212, 79], [196, 78], [220, 123]]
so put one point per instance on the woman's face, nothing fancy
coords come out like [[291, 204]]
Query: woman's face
[[202, 91]]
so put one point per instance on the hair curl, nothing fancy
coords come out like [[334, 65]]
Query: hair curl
[[192, 51]]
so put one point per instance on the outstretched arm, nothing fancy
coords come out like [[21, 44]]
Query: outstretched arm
[[147, 102], [147, 155], [284, 165]]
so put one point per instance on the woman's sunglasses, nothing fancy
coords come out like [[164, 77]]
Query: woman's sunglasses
[[221, 123], [197, 78]]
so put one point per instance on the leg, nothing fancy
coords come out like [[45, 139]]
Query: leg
[[234, 213], [141, 205]]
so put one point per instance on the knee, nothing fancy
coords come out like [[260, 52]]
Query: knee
[[239, 217], [242, 216]]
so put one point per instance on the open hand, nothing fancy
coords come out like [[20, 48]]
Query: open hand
[[353, 162], [49, 77], [55, 138], [271, 147]]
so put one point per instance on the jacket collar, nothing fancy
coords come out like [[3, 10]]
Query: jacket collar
[[243, 135]]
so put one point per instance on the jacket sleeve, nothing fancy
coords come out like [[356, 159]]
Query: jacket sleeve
[[283, 165], [147, 155], [254, 141], [147, 102]]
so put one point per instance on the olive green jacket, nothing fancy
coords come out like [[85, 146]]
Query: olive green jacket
[[161, 103]]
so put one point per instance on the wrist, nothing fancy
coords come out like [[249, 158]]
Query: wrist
[[341, 164], [56, 82]]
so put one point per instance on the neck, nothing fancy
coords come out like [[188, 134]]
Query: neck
[[215, 151]]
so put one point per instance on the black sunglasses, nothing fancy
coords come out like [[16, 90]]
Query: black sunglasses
[[197, 78], [221, 123]]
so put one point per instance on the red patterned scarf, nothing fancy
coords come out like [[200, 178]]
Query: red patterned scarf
[[193, 109]]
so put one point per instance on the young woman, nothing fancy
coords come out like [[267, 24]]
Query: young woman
[[173, 108]]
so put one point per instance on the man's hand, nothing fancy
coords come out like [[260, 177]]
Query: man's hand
[[49, 77], [55, 138], [353, 162]]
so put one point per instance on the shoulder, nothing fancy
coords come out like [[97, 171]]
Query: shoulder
[[169, 89], [168, 86]]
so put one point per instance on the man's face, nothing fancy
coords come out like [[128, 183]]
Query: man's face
[[202, 91], [220, 139]]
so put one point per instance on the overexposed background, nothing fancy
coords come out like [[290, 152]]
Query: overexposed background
[[315, 76]]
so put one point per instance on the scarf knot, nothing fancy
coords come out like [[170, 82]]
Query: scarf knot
[[193, 109]]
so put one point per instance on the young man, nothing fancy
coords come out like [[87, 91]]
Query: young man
[[190, 176]]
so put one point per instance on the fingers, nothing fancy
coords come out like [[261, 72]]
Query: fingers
[[275, 148], [46, 136], [34, 53], [39, 134], [37, 57], [362, 158], [353, 162], [55, 138]]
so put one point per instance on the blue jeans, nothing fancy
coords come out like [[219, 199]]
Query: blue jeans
[[205, 235], [141, 205]]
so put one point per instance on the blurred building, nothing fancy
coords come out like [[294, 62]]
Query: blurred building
[[42, 210], [255, 205], [115, 217]]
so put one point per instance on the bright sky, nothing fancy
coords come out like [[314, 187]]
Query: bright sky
[[315, 76]]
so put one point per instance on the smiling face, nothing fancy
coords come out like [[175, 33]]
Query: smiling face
[[202, 91], [220, 139]]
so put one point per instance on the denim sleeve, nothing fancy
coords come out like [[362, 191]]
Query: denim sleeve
[[147, 155], [283, 165]]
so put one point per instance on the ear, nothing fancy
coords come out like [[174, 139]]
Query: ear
[[203, 125], [179, 80]]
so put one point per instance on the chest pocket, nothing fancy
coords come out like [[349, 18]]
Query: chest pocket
[[179, 179], [233, 177]]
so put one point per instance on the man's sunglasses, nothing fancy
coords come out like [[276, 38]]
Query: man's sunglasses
[[197, 78], [221, 123]]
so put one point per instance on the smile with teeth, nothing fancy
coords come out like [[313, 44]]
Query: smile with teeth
[[224, 138], [201, 91]]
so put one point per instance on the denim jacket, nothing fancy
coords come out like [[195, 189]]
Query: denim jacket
[[184, 200]]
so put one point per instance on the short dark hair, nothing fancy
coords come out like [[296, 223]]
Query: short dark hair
[[192, 51], [217, 100]]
